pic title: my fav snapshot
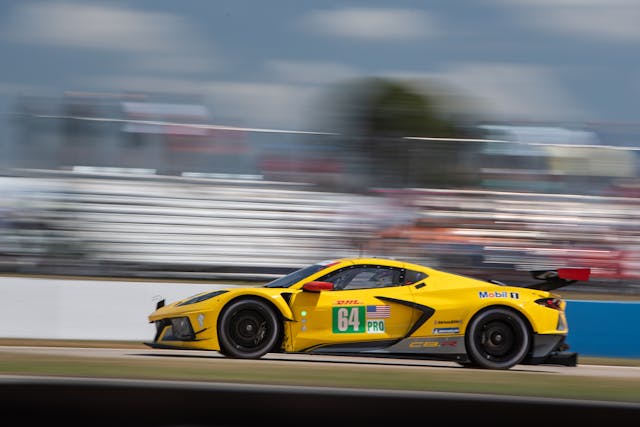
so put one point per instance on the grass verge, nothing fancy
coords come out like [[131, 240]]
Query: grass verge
[[265, 371]]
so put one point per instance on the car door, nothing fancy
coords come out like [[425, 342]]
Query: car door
[[369, 304]]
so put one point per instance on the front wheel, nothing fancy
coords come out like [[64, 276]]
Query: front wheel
[[248, 329], [497, 338]]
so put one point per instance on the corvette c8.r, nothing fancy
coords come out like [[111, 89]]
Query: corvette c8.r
[[378, 307]]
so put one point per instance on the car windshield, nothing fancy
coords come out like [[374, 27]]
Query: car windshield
[[294, 277]]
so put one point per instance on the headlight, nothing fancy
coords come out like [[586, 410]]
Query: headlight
[[179, 330]]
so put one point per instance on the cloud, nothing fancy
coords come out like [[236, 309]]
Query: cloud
[[372, 24], [311, 72], [611, 20], [154, 41], [95, 26]]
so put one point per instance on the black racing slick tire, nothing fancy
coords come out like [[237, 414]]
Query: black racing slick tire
[[248, 328], [497, 338]]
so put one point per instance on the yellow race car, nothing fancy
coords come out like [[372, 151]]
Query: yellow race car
[[378, 307]]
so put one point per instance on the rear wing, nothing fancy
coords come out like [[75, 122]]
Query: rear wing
[[558, 278]]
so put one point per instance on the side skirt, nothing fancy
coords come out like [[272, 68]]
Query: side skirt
[[444, 348]]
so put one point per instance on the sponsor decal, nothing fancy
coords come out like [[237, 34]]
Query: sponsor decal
[[348, 320], [433, 344], [446, 322], [439, 331], [359, 319], [375, 326], [347, 302], [498, 294], [378, 311], [424, 344]]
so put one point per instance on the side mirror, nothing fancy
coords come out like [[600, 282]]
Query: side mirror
[[317, 286]]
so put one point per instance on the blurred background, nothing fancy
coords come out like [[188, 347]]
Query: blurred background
[[235, 140]]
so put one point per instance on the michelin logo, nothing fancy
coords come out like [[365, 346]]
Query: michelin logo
[[437, 331]]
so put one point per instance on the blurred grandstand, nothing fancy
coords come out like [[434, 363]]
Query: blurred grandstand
[[137, 186]]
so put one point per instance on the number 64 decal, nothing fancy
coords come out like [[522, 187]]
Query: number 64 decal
[[349, 319]]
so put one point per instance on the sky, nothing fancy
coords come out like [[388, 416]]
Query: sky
[[270, 63]]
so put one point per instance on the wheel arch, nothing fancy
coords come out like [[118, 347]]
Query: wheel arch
[[279, 305], [517, 310], [277, 301], [278, 308]]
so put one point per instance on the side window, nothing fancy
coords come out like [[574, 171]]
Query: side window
[[412, 276], [363, 277], [340, 278]]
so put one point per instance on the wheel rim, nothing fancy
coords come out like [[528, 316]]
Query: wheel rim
[[248, 329], [497, 339]]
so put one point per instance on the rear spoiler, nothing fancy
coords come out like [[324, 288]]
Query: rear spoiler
[[554, 279]]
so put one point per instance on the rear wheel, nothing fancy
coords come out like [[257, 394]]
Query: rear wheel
[[248, 329], [497, 338]]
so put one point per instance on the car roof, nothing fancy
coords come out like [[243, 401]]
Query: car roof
[[381, 261]]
